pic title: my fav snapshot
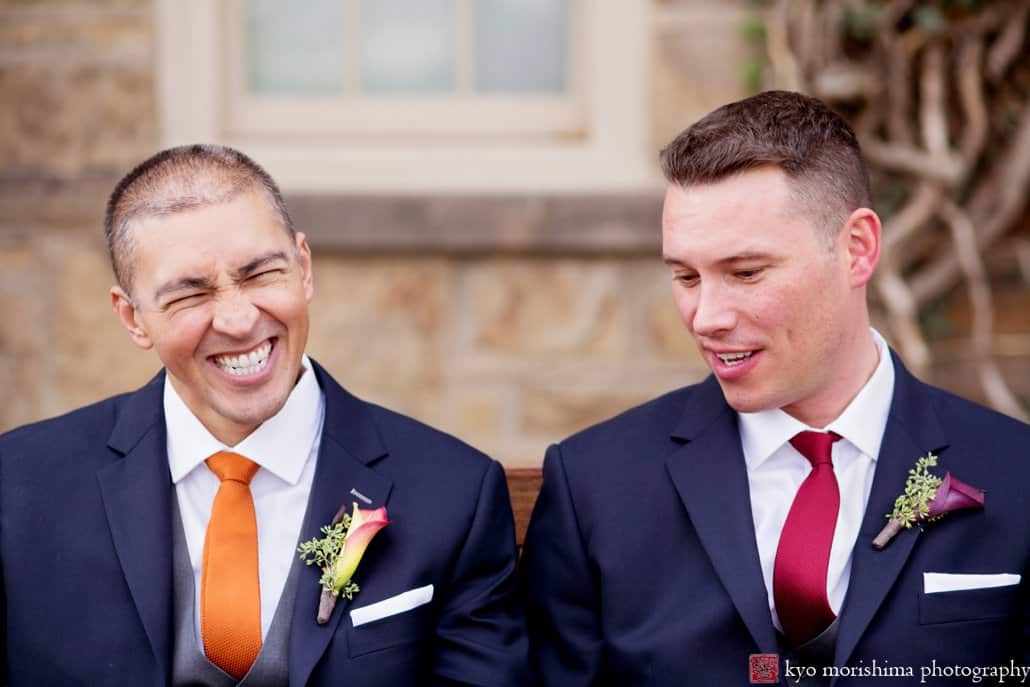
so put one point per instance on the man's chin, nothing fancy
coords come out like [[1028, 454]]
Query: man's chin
[[251, 414], [745, 403], [258, 416]]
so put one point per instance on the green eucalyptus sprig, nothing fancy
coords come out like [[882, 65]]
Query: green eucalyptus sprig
[[339, 552], [325, 551], [914, 505], [928, 498]]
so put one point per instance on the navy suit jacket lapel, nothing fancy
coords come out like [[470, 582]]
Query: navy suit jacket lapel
[[350, 443], [912, 430], [710, 475], [136, 490]]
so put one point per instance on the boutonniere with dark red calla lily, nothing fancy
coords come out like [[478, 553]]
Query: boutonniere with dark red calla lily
[[927, 498], [338, 553]]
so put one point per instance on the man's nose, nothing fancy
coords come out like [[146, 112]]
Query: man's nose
[[714, 312], [234, 313]]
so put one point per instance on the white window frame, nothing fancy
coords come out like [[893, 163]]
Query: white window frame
[[596, 141]]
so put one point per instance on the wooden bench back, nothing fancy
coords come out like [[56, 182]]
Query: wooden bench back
[[523, 487]]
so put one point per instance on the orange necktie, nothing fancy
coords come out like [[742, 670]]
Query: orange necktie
[[230, 599]]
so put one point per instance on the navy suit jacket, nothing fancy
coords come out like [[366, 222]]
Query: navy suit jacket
[[86, 552], [641, 567]]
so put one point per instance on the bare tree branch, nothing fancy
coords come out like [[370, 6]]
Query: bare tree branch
[[899, 65], [906, 222], [831, 19], [962, 232], [970, 90], [785, 67], [942, 113], [999, 197], [805, 32], [943, 168], [903, 317], [892, 14], [1022, 247], [845, 81], [1007, 47], [932, 120]]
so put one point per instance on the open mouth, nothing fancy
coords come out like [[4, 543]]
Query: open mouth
[[732, 359], [248, 363]]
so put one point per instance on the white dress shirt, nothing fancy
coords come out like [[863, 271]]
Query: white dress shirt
[[775, 471], [286, 448]]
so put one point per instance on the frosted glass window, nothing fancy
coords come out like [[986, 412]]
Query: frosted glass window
[[294, 48], [521, 46], [408, 46]]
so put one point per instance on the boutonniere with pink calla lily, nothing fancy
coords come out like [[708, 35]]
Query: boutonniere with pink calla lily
[[928, 498], [338, 553]]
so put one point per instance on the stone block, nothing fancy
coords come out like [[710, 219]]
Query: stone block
[[94, 355], [555, 413], [667, 332], [477, 415], [79, 36], [380, 322], [562, 308], [699, 63], [75, 6], [72, 207], [24, 340], [70, 120], [659, 331]]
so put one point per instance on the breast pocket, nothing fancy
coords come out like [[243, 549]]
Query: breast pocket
[[968, 605], [395, 630]]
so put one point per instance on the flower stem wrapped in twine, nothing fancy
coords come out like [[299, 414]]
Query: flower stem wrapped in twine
[[928, 498]]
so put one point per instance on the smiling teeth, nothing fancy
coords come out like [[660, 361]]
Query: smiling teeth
[[734, 358], [247, 363]]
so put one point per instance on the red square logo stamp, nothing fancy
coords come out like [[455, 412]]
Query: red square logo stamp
[[764, 669]]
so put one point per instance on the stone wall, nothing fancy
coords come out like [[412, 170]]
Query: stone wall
[[509, 350], [78, 107]]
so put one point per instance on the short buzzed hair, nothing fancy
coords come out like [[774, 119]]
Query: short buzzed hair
[[176, 180], [811, 143]]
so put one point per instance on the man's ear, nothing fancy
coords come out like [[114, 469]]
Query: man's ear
[[862, 232], [129, 317], [304, 256]]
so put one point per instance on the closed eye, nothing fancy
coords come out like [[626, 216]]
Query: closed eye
[[184, 300], [749, 275], [265, 275], [686, 279]]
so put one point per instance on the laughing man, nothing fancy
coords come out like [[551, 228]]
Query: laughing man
[[151, 538]]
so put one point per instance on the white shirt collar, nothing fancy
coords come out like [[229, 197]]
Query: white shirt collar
[[862, 423], [281, 443]]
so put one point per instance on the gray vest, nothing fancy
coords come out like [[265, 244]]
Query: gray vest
[[190, 668]]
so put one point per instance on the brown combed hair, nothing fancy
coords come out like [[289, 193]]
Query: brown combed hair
[[176, 180], [811, 143]]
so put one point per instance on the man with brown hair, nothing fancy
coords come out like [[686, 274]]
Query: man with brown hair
[[151, 538], [724, 531]]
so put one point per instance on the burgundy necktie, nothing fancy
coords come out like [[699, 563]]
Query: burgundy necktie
[[803, 555]]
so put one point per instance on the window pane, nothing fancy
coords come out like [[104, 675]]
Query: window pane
[[408, 46], [522, 45], [294, 48]]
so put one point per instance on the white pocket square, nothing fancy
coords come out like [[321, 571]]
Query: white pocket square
[[406, 601], [953, 582]]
